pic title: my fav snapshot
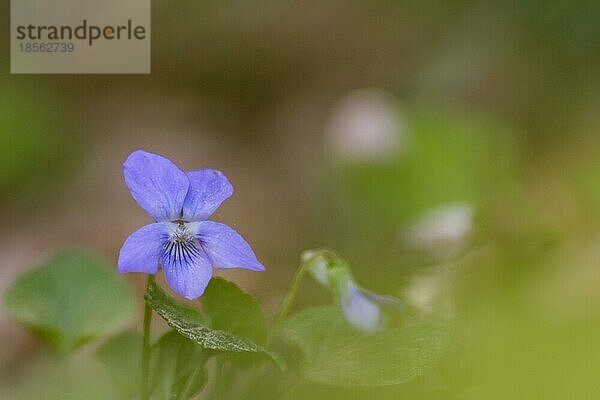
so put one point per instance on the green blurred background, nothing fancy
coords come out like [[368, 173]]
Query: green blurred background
[[450, 150]]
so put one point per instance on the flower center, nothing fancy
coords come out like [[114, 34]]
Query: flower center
[[182, 246]]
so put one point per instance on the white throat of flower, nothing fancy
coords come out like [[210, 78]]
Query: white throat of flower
[[182, 246]]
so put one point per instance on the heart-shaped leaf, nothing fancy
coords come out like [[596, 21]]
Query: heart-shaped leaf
[[71, 299], [178, 318], [232, 310]]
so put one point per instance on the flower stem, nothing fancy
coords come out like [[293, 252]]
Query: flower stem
[[289, 299], [144, 392], [190, 382]]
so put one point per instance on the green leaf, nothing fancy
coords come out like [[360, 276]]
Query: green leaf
[[121, 355], [71, 299], [178, 318], [179, 368], [232, 310], [336, 354]]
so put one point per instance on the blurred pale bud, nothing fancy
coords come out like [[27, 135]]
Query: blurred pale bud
[[366, 126], [442, 231], [319, 271], [325, 266]]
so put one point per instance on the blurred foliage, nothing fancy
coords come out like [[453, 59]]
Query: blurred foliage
[[336, 354], [58, 379], [121, 355], [69, 300], [37, 137], [448, 158], [571, 24], [179, 368]]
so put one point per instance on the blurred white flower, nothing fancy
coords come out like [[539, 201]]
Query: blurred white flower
[[366, 125], [442, 231], [430, 291]]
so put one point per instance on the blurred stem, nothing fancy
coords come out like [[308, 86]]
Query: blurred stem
[[185, 394], [289, 299], [146, 344], [224, 379]]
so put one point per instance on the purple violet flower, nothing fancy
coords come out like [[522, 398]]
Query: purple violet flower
[[182, 240]]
